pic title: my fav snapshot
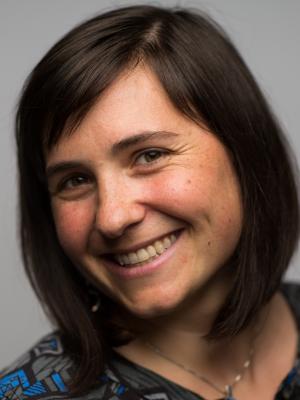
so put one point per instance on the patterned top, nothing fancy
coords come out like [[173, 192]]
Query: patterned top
[[44, 371]]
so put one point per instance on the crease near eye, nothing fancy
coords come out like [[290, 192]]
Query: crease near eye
[[75, 184], [150, 156]]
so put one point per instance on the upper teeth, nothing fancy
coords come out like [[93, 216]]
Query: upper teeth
[[143, 254]]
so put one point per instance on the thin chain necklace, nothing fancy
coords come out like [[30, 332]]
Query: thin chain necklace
[[227, 391]]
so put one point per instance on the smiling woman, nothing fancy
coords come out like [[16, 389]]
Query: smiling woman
[[156, 221], [188, 192]]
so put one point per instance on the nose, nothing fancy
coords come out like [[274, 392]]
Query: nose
[[119, 207]]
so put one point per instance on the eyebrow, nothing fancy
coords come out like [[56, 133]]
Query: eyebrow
[[139, 138], [61, 166], [116, 148]]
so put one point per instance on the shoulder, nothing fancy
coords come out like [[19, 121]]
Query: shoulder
[[42, 369]]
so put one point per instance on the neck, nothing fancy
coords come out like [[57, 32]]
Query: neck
[[274, 355], [183, 333]]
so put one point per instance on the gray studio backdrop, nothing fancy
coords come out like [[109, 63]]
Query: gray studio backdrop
[[267, 32]]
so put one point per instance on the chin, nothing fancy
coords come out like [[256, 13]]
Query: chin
[[153, 307], [151, 312]]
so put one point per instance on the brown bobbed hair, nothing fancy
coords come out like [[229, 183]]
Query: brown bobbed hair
[[207, 80]]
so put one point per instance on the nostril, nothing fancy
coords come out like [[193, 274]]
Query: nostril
[[113, 218]]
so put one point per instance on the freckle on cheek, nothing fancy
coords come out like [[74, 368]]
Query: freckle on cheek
[[208, 243], [183, 259]]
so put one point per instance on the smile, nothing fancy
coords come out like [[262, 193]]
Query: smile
[[147, 253]]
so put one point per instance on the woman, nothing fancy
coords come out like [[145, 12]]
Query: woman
[[156, 218]]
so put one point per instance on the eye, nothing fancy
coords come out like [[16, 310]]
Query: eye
[[72, 186], [150, 156], [73, 182]]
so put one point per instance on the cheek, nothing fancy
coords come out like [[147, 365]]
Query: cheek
[[181, 194], [73, 222], [206, 198]]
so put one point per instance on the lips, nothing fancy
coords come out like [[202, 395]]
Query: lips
[[146, 268], [144, 254]]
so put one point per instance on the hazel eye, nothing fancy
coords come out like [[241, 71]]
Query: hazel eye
[[150, 156], [74, 182]]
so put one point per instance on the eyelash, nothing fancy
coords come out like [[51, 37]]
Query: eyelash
[[64, 183], [148, 152]]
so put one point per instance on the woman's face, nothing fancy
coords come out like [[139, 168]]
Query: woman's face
[[141, 185]]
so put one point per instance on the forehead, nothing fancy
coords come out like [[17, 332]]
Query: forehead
[[135, 102]]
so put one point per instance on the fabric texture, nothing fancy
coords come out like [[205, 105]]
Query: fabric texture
[[44, 371]]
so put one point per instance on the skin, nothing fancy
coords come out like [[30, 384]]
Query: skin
[[190, 185], [108, 199]]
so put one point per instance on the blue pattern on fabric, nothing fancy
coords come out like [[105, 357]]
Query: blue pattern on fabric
[[121, 389], [59, 382], [13, 380], [54, 344], [35, 389], [45, 370]]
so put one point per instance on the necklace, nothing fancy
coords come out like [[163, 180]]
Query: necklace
[[227, 391]]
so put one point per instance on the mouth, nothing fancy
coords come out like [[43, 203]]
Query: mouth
[[144, 255]]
